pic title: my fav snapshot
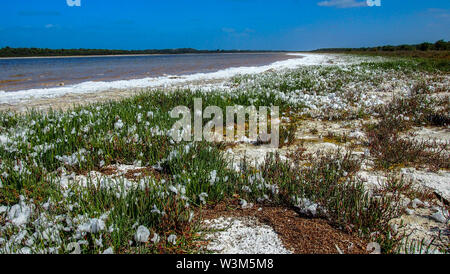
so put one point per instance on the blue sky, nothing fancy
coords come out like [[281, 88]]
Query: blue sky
[[221, 24]]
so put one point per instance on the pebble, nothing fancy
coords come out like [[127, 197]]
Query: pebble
[[439, 217], [405, 202], [109, 251], [155, 238], [142, 234], [172, 239], [245, 205], [416, 203]]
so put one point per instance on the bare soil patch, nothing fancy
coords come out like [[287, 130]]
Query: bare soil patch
[[298, 234]]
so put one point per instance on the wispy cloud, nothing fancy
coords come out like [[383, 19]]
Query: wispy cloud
[[343, 3]]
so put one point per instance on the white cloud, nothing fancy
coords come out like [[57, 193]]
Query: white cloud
[[343, 3]]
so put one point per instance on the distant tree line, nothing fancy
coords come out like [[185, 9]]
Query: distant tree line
[[32, 52], [440, 45]]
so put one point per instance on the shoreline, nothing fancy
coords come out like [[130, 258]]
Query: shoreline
[[29, 97], [134, 55]]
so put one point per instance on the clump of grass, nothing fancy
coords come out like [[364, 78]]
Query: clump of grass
[[287, 134], [418, 109], [329, 181], [411, 246], [398, 185], [391, 149], [336, 138], [415, 63]]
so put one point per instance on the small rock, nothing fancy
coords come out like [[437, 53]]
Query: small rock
[[439, 217], [416, 203], [25, 251], [172, 239], [108, 251], [245, 205], [436, 208], [307, 207], [142, 234], [74, 248], [409, 211], [338, 249], [405, 202], [155, 238]]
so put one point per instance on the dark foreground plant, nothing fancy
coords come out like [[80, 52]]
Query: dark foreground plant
[[329, 181]]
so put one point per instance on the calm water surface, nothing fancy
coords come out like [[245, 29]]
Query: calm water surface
[[26, 73]]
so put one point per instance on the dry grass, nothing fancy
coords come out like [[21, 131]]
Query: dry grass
[[391, 149]]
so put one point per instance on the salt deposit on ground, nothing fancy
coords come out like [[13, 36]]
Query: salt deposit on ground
[[424, 230], [441, 135], [101, 180], [242, 236], [371, 180], [438, 182], [255, 155]]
